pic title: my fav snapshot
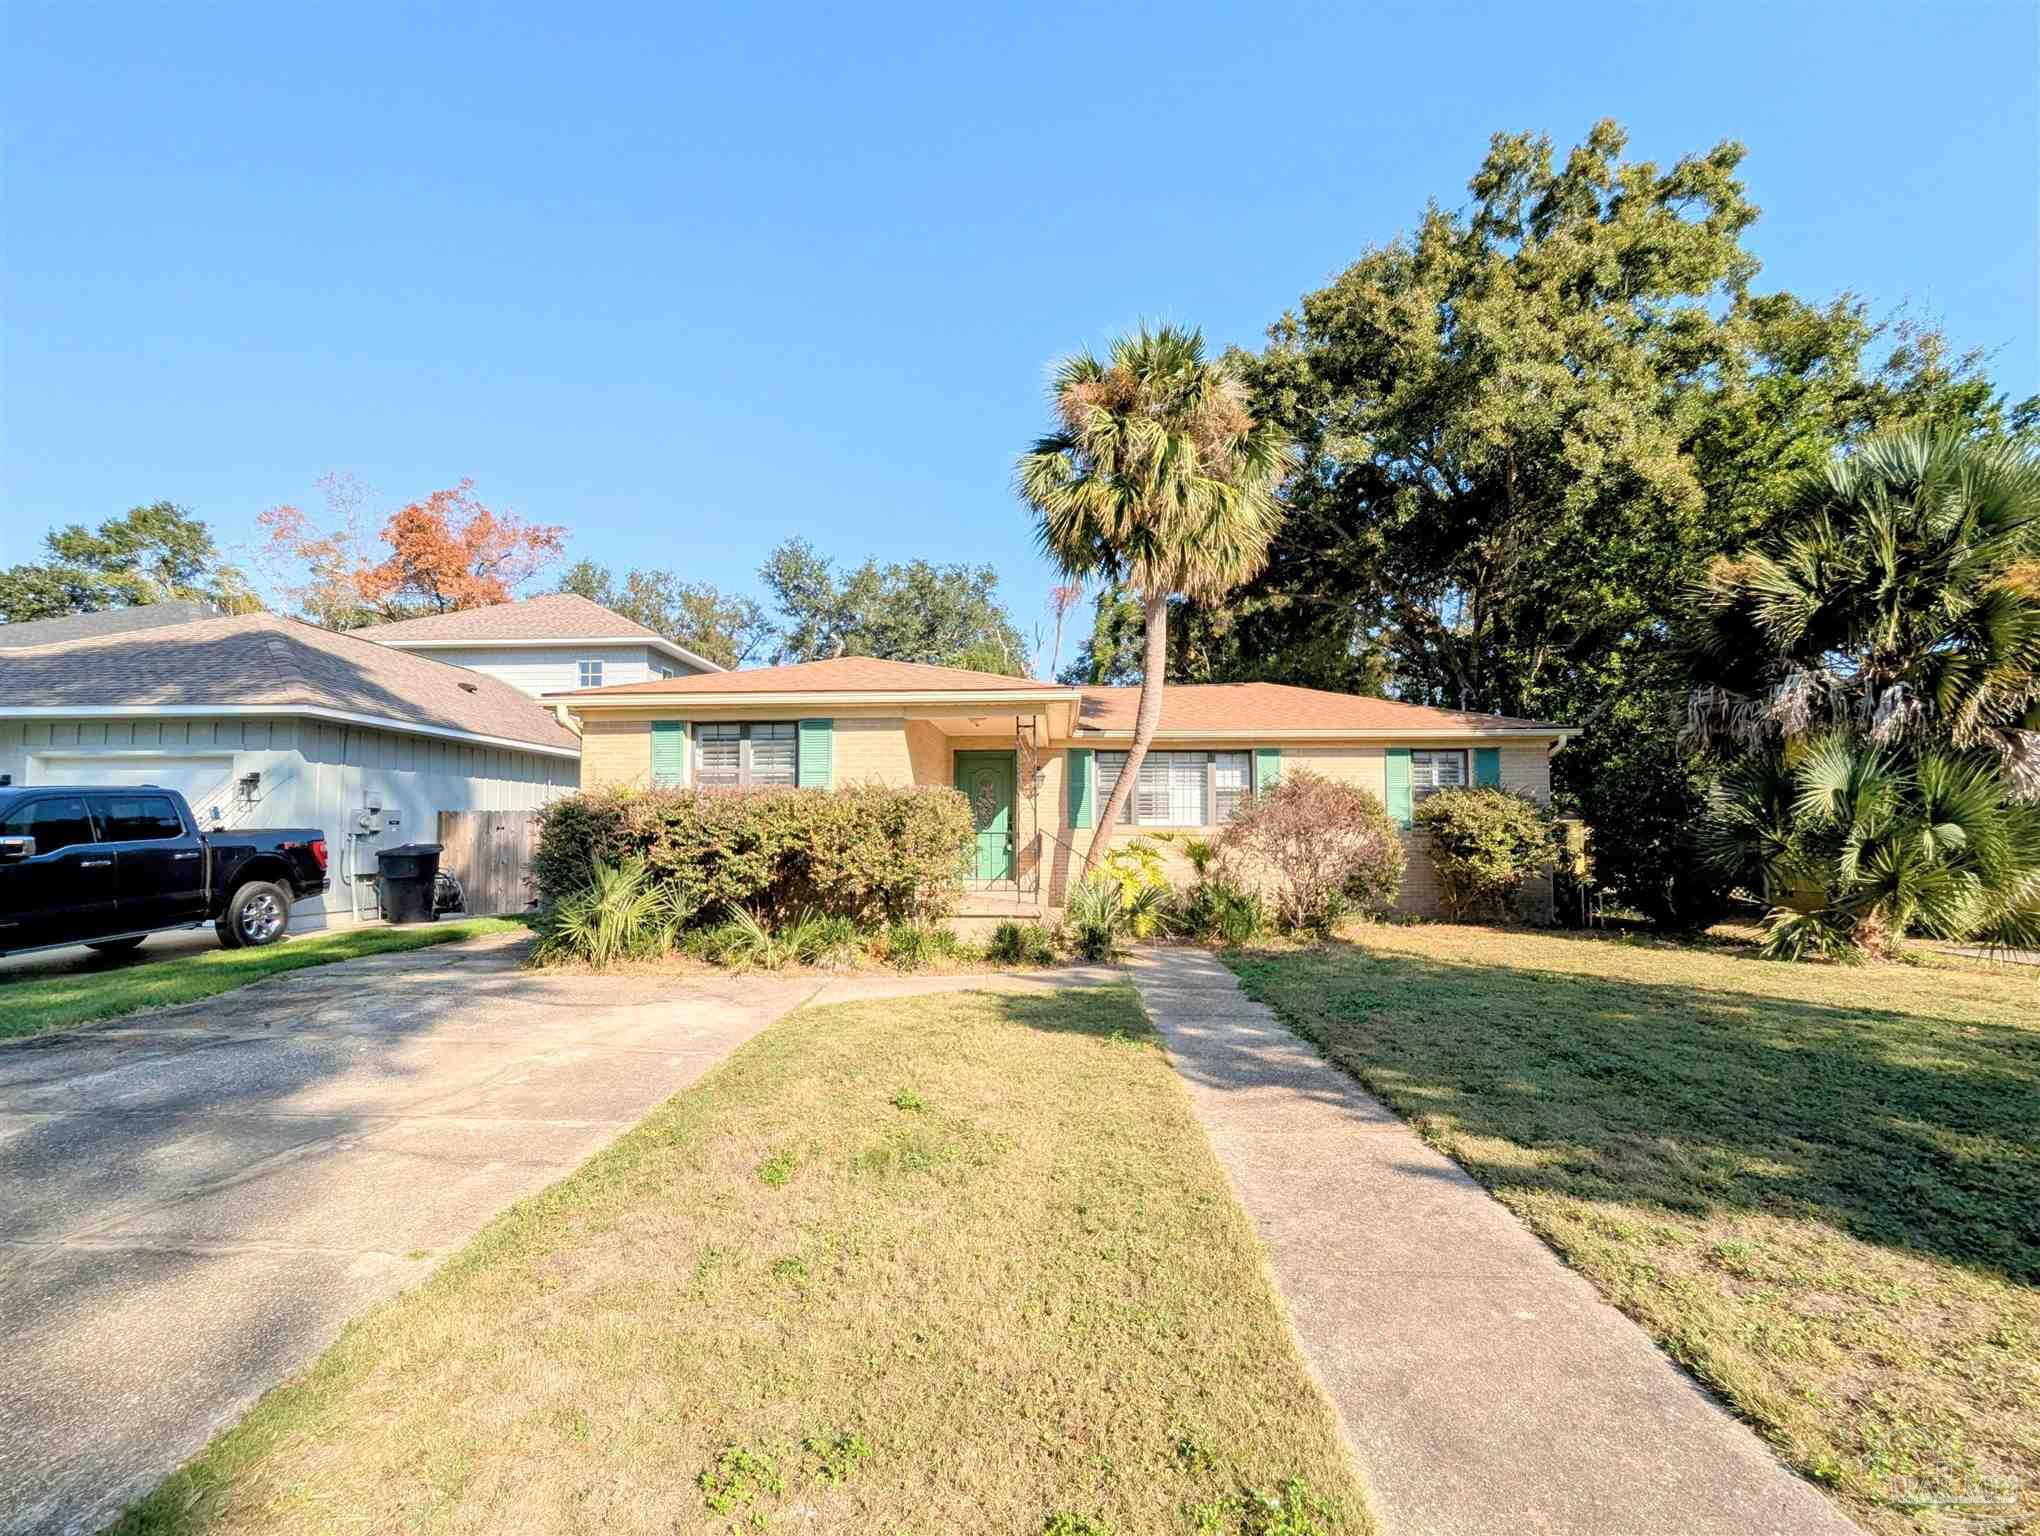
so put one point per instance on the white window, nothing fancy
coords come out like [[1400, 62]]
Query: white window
[[1433, 771], [1179, 789], [591, 674], [1232, 777], [744, 756]]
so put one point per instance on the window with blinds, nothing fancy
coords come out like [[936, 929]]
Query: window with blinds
[[747, 756], [775, 753], [1433, 771], [1180, 789]]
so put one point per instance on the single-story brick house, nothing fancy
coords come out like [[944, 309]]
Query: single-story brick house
[[1039, 759]]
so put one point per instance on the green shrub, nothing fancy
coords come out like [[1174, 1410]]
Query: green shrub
[[914, 946], [1485, 843], [1095, 918], [617, 913], [868, 853], [1328, 848], [1223, 911], [1021, 944]]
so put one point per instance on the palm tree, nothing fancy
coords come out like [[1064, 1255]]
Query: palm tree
[[1160, 477], [1900, 595], [1874, 668]]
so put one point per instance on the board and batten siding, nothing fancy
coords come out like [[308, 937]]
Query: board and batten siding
[[315, 773], [544, 669]]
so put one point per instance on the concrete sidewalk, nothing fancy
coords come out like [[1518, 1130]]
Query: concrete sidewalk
[[1486, 1387]]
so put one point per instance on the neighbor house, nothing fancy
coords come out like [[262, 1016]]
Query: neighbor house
[[259, 719], [543, 644], [1037, 760]]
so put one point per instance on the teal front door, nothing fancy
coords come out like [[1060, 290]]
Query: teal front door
[[986, 779]]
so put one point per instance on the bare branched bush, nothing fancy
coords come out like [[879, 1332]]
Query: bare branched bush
[[1325, 849]]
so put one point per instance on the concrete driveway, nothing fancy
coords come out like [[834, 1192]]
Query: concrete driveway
[[76, 958], [194, 1202]]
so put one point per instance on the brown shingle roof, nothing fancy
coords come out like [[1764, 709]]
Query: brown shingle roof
[[261, 658], [556, 616], [1228, 707], [842, 674]]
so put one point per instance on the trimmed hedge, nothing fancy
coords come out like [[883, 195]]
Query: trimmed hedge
[[867, 853], [1485, 843]]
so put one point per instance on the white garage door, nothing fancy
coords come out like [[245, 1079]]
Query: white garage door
[[192, 776]]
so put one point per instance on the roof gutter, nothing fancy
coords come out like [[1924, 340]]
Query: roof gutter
[[315, 711], [656, 642], [1375, 733], [718, 700]]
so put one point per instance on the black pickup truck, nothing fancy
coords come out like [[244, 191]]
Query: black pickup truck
[[108, 867]]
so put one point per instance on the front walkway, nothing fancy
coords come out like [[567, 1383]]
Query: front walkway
[[1486, 1387]]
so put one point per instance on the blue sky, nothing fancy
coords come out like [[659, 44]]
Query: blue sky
[[690, 281]]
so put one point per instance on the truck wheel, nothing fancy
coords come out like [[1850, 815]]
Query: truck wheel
[[118, 946], [257, 913]]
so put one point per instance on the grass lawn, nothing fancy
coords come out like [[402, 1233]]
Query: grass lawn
[[961, 1262], [1817, 1187], [33, 1004]]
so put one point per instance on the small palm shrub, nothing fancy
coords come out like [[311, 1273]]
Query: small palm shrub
[[1327, 849], [1136, 868], [1021, 944], [1223, 911], [1485, 845], [916, 946], [817, 938], [1852, 845], [740, 941], [1095, 918], [618, 914]]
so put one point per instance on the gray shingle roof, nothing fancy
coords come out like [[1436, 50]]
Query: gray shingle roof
[[108, 621], [264, 659]]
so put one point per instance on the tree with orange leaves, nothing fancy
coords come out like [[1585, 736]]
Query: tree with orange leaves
[[446, 552]]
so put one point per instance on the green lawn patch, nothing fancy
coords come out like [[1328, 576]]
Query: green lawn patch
[[1017, 1297], [35, 1004], [1817, 1187]]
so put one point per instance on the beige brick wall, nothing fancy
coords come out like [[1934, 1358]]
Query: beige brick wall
[[928, 753], [1525, 768], [896, 750], [872, 751], [615, 752]]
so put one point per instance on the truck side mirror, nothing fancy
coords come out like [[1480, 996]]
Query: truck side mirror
[[14, 849]]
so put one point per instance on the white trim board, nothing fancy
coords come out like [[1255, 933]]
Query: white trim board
[[308, 711], [655, 642]]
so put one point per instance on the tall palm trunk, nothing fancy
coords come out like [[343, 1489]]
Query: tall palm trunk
[[1146, 721]]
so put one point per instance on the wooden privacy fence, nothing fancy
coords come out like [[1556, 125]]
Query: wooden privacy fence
[[489, 853]]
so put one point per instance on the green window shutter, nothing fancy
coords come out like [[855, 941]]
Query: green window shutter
[[1487, 767], [1398, 782], [817, 754], [1080, 786], [1267, 768], [669, 753]]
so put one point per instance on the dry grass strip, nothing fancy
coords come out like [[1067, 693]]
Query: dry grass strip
[[956, 1263]]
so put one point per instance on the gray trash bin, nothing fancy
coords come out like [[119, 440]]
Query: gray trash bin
[[407, 874]]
